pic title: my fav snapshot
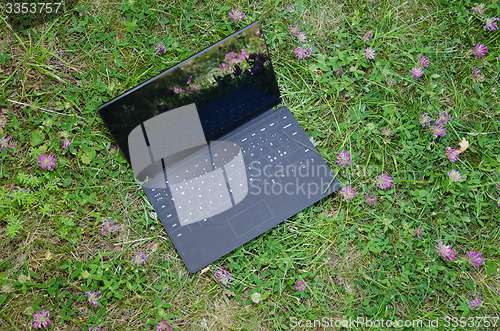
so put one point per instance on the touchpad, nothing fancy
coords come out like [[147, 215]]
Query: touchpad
[[250, 218]]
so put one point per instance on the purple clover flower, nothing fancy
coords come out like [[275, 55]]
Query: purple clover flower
[[490, 23], [348, 193], [443, 118], [300, 286], [370, 199], [480, 50], [295, 31], [160, 48], [438, 130], [302, 37], [369, 53], [236, 15], [452, 154], [476, 75], [302, 53], [455, 176], [425, 120], [475, 259], [4, 143], [223, 277], [479, 9], [41, 318], [390, 81], [423, 61], [339, 72], [163, 325], [383, 181], [417, 72], [418, 232], [139, 260], [66, 142], [475, 302], [97, 328], [108, 226], [387, 132], [339, 280], [93, 297], [445, 251], [47, 162], [290, 9], [113, 149], [343, 158]]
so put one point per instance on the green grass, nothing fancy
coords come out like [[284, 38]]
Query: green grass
[[55, 75]]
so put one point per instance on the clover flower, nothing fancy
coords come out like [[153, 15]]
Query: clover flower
[[93, 297], [66, 142], [423, 61], [4, 143], [108, 226], [302, 37], [139, 260], [343, 158], [7, 288], [290, 9], [479, 9], [445, 251], [418, 232], [236, 15], [41, 318], [255, 297], [476, 75], [455, 176], [302, 53], [383, 181], [295, 31], [160, 48], [475, 302], [387, 132], [425, 120], [47, 162], [475, 259], [223, 277], [369, 53], [97, 328], [390, 81], [452, 154], [438, 130], [370, 199], [347, 193], [490, 23], [480, 50], [417, 72], [443, 118], [300, 286], [163, 325]]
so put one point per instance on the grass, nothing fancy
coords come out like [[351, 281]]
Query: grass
[[53, 77]]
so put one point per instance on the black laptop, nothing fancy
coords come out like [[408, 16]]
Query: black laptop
[[217, 157]]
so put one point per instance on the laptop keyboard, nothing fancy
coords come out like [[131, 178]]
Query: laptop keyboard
[[263, 144]]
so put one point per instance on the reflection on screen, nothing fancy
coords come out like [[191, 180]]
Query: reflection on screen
[[230, 82]]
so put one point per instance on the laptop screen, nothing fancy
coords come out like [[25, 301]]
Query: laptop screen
[[230, 83]]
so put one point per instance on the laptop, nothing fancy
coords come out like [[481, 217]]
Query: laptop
[[219, 159]]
